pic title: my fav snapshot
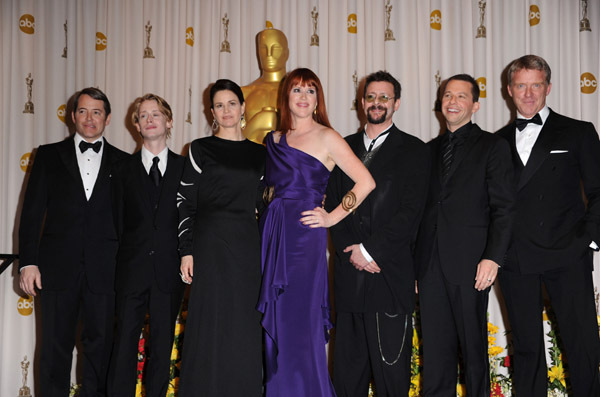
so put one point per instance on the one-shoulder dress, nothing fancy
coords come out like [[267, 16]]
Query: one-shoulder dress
[[294, 293]]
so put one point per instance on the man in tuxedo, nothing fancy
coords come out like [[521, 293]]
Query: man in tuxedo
[[144, 192], [462, 240], [556, 159], [374, 272], [68, 244]]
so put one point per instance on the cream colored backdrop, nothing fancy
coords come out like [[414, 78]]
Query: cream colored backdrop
[[105, 41]]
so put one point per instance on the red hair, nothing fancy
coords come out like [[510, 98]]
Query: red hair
[[303, 77]]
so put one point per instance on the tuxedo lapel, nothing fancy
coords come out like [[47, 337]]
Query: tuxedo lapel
[[103, 179], [540, 151], [69, 158], [386, 152]]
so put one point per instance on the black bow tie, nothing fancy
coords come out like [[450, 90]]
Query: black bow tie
[[522, 123], [83, 146]]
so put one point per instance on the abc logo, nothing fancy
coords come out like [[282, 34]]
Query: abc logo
[[481, 82], [435, 20], [268, 24], [588, 83], [25, 306], [534, 15], [60, 112], [351, 23], [24, 162], [27, 23], [189, 36], [100, 41]]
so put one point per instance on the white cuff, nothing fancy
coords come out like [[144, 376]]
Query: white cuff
[[594, 246], [368, 257]]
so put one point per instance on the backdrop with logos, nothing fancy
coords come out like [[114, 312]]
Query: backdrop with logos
[[51, 48]]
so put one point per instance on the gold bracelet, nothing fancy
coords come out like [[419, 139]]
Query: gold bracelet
[[268, 194], [349, 201]]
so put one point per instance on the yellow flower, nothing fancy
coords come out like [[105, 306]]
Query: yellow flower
[[138, 389], [415, 339], [178, 329], [461, 390], [492, 329], [557, 373], [545, 316], [174, 354], [495, 350], [491, 340]]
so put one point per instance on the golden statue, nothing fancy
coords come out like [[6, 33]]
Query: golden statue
[[261, 94]]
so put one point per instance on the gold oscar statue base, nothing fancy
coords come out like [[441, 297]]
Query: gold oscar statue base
[[64, 54], [480, 32], [389, 35], [225, 47], [189, 118], [24, 392], [28, 107], [584, 25], [314, 40], [353, 105], [148, 53]]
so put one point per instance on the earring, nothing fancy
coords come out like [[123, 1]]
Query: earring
[[215, 125], [315, 111], [243, 122]]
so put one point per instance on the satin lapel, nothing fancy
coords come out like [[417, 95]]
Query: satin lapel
[[103, 179], [540, 151], [69, 158], [473, 137]]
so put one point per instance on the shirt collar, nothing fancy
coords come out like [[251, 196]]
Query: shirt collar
[[544, 113], [147, 157]]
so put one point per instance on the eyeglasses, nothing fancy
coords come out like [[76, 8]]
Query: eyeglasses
[[370, 98]]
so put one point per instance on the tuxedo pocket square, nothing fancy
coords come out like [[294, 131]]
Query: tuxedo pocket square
[[558, 151]]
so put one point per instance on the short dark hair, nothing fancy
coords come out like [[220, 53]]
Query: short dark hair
[[383, 76], [225, 85], [469, 79], [531, 62], [94, 93]]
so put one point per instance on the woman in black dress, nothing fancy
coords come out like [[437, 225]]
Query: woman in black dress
[[220, 248]]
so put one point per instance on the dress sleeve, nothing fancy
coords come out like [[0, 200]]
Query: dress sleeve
[[187, 198]]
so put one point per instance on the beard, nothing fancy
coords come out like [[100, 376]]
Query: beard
[[381, 118]]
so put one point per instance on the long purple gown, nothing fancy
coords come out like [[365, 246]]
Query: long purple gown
[[294, 292]]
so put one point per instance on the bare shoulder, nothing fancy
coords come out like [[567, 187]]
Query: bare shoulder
[[276, 136]]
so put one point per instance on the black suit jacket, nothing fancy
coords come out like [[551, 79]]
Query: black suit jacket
[[385, 223], [61, 231], [470, 215], [553, 225], [147, 237]]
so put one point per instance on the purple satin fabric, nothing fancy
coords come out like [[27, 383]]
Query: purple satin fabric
[[294, 294]]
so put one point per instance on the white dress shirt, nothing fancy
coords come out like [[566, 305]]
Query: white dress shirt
[[525, 139], [89, 164], [147, 157]]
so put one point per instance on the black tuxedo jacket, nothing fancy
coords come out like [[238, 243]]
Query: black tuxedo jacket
[[61, 231], [385, 223], [147, 236], [553, 224], [470, 215]]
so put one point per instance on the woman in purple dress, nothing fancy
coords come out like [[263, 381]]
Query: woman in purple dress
[[294, 294]]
